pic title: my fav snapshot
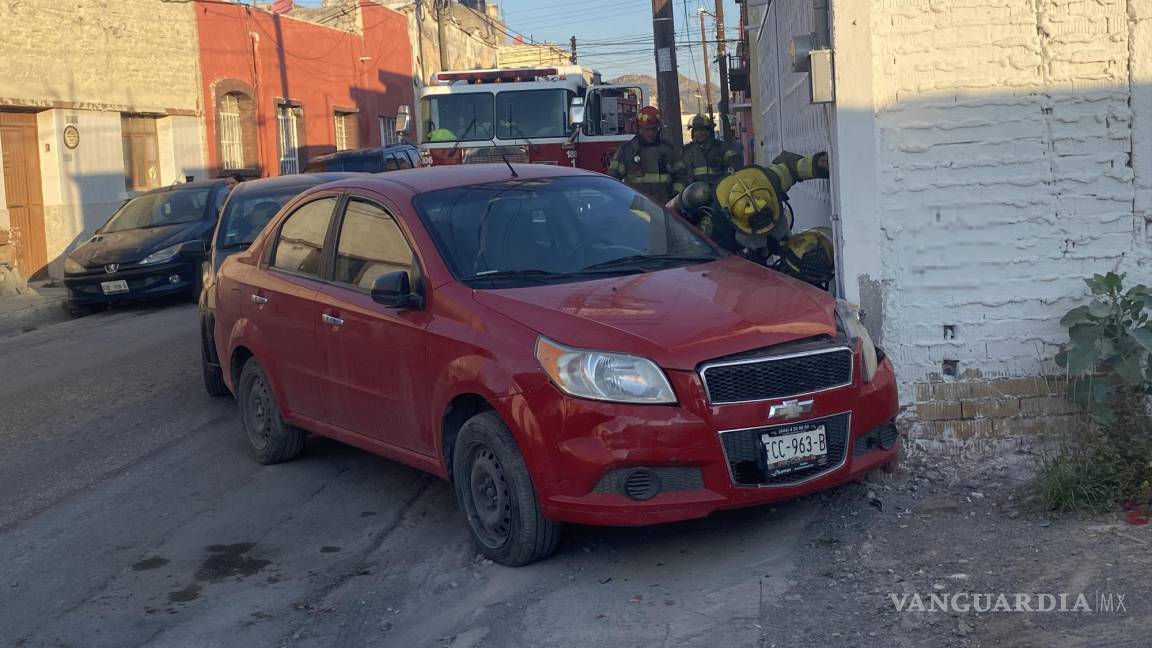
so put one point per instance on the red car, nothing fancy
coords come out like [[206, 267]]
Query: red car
[[553, 343]]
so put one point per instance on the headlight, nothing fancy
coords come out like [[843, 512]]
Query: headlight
[[71, 266], [604, 376], [848, 321], [167, 254]]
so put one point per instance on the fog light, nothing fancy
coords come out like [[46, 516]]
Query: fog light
[[642, 484], [174, 279]]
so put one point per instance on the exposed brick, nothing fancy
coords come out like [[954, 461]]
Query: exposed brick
[[961, 430], [939, 410], [991, 408], [1044, 425], [1048, 406]]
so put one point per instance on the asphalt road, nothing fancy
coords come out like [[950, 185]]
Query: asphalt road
[[131, 516]]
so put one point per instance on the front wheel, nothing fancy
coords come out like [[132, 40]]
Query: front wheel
[[496, 494]]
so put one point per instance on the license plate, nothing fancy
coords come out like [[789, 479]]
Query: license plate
[[791, 451], [113, 287]]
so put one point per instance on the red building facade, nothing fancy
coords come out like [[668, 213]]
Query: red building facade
[[280, 90]]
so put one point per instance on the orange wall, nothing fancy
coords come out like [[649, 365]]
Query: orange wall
[[319, 67]]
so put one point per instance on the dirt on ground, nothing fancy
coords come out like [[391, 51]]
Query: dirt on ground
[[940, 527]]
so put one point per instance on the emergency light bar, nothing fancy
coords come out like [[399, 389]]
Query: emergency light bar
[[498, 76]]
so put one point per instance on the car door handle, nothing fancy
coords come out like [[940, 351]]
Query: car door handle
[[331, 319], [259, 300]]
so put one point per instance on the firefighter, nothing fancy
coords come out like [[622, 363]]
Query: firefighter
[[754, 204], [707, 158], [648, 163]]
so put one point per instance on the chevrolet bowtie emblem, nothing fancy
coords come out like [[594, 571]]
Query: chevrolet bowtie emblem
[[790, 409]]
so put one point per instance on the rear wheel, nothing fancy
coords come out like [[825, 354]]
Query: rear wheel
[[496, 494], [270, 439]]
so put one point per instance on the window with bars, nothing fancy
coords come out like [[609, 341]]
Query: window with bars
[[347, 133], [388, 135], [288, 118], [231, 133]]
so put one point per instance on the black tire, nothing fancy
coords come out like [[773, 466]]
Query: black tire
[[496, 494], [270, 439], [213, 374]]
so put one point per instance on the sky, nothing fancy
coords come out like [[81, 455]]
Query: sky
[[615, 36]]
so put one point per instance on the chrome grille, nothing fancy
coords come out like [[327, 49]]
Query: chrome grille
[[492, 154], [780, 376]]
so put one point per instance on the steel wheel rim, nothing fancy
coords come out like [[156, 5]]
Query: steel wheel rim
[[490, 498], [258, 414]]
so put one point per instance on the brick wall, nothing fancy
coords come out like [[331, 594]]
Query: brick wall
[[1005, 173]]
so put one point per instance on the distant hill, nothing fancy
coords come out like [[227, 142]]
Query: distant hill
[[688, 90]]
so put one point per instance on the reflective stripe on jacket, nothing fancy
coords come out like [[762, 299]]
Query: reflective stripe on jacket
[[710, 161]]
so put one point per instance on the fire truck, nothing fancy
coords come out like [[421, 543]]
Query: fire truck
[[547, 115]]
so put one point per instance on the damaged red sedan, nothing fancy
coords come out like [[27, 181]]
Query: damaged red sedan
[[553, 343]]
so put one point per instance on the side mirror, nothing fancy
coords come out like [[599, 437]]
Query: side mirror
[[576, 111], [192, 250], [394, 290], [403, 119]]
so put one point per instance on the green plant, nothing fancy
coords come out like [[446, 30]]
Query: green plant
[[1109, 343]]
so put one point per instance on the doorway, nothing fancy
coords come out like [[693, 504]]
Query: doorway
[[25, 203]]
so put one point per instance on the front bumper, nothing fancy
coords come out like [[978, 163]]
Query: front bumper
[[144, 282], [575, 447]]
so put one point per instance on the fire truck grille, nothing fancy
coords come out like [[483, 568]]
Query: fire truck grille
[[495, 154]]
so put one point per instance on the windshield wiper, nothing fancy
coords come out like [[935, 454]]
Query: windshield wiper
[[641, 259], [456, 145], [530, 274]]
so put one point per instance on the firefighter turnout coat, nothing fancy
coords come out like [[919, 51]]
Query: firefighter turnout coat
[[654, 170], [710, 161]]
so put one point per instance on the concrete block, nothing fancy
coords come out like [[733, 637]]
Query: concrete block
[[1044, 425], [962, 430]]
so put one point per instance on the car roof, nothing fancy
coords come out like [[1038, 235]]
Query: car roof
[[459, 175], [188, 186], [303, 180], [359, 152]]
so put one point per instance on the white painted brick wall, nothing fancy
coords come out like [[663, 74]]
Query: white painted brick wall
[[1004, 171]]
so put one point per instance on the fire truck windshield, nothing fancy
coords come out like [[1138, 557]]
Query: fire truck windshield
[[530, 114], [466, 117]]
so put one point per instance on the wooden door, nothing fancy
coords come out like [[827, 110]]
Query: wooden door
[[25, 203]]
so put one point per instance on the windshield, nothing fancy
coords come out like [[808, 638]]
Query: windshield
[[521, 232], [526, 114], [466, 117], [246, 214], [159, 209]]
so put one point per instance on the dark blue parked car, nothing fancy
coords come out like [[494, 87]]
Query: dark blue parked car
[[152, 246]]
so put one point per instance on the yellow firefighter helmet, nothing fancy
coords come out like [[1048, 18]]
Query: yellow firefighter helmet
[[809, 256], [750, 201]]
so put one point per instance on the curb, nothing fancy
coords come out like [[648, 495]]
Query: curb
[[32, 317]]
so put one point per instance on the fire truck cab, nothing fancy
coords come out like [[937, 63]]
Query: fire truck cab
[[549, 115]]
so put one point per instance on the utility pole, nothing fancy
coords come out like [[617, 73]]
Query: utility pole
[[707, 66], [722, 60], [667, 77], [572, 57], [443, 12]]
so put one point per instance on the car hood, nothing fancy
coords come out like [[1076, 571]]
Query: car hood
[[677, 317], [133, 245]]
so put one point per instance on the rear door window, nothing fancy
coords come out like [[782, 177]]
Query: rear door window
[[371, 244], [300, 244]]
